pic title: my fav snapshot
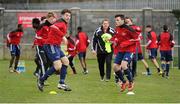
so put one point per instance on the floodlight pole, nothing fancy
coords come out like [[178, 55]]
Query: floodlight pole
[[178, 43], [176, 13]]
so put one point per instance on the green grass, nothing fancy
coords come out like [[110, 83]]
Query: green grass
[[22, 88]]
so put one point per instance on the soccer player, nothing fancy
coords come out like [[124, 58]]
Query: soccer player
[[151, 46], [42, 29], [127, 38], [13, 40], [138, 52], [165, 42], [71, 49], [56, 35], [82, 44], [102, 47]]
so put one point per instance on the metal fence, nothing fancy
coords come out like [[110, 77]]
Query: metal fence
[[94, 4], [89, 19]]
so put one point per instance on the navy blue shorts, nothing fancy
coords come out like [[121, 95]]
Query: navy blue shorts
[[166, 55], [152, 53], [123, 56], [82, 55], [53, 52], [139, 56], [15, 50]]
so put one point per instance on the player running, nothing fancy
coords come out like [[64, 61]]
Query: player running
[[165, 42], [13, 40], [82, 44], [127, 38], [151, 46]]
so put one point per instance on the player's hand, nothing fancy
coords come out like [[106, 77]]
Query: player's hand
[[32, 46], [94, 52], [8, 45]]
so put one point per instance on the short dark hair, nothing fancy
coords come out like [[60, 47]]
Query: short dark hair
[[36, 21], [19, 25], [148, 26], [65, 11], [79, 28], [165, 27], [120, 15]]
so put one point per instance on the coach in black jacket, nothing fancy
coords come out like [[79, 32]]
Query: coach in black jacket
[[102, 47]]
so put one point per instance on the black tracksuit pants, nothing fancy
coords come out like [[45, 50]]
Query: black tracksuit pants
[[102, 58]]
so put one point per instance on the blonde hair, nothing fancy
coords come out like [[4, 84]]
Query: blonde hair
[[50, 14]]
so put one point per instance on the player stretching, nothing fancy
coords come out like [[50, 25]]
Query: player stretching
[[151, 46], [56, 35], [13, 40], [165, 42], [126, 37]]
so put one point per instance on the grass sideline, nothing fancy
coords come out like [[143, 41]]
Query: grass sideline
[[21, 88]]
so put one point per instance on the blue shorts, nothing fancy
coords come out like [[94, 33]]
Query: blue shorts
[[15, 50], [82, 55], [152, 53], [139, 56], [53, 52], [166, 55], [123, 56]]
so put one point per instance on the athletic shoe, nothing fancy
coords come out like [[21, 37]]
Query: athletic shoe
[[160, 73], [130, 86], [102, 79], [35, 74], [18, 72], [123, 86], [85, 72], [146, 73], [64, 87], [11, 70], [46, 83], [163, 74], [40, 84]]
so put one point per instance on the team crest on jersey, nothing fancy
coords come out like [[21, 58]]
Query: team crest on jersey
[[138, 28], [123, 34]]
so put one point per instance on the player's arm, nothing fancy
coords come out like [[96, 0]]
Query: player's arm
[[58, 29], [94, 42], [149, 38], [133, 40], [64, 40], [88, 41], [8, 37], [172, 42], [159, 40]]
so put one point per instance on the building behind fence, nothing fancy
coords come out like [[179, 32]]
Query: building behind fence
[[90, 19]]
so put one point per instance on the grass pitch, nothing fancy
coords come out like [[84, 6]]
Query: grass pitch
[[21, 88]]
